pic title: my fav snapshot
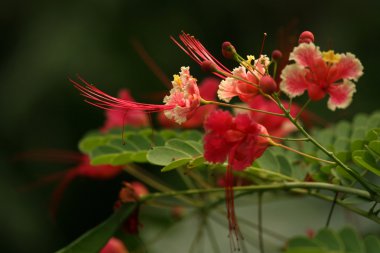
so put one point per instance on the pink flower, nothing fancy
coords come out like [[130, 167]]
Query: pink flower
[[243, 83], [321, 73], [207, 90], [183, 100], [114, 245], [184, 97], [117, 118], [236, 138]]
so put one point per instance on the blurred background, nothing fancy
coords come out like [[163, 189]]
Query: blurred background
[[43, 43]]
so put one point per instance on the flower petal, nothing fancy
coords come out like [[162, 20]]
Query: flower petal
[[293, 80], [306, 54], [340, 95], [348, 67], [218, 121], [216, 148], [227, 89]]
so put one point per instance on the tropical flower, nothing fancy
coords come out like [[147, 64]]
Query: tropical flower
[[179, 105], [321, 73], [207, 90], [237, 139], [184, 97], [244, 83]]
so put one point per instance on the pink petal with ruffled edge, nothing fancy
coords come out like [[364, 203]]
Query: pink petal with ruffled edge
[[340, 95], [293, 80], [231, 87], [306, 54], [348, 67], [184, 97], [227, 89]]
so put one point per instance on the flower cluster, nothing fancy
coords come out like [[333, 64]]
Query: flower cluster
[[262, 118]]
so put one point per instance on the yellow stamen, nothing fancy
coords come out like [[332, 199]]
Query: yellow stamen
[[177, 80], [330, 56]]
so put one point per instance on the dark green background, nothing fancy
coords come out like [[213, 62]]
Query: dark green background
[[43, 43]]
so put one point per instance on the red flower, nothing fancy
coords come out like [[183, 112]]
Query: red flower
[[239, 140], [321, 73], [236, 138]]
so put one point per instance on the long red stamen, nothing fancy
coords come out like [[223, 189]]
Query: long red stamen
[[198, 52], [233, 227], [104, 101]]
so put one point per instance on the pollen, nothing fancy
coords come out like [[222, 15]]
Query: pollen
[[250, 59], [330, 56], [177, 80]]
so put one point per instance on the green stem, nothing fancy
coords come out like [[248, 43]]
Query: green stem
[[353, 173], [240, 107], [301, 153], [302, 109], [148, 179], [284, 139], [269, 187]]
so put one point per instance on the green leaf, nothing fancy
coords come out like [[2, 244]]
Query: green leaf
[[352, 241], [375, 146], [104, 155], [165, 155], [176, 164], [365, 160], [372, 244], [193, 135], [183, 146], [268, 161], [285, 167], [95, 239], [330, 240], [303, 245], [372, 134], [88, 143]]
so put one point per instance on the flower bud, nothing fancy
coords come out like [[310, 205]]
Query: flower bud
[[228, 50], [208, 66], [268, 85], [276, 55], [306, 37]]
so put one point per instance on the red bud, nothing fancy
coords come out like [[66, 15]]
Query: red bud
[[268, 84], [228, 50], [306, 37]]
